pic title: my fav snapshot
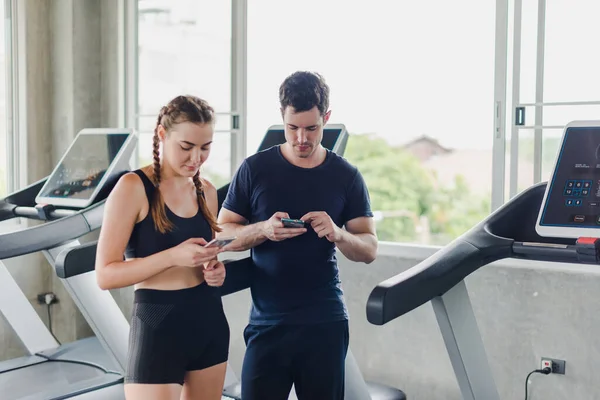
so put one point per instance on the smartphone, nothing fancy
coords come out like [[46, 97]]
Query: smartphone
[[220, 242], [293, 223]]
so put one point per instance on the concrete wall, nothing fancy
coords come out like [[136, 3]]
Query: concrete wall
[[524, 311], [70, 50]]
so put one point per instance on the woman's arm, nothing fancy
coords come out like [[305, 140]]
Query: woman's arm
[[122, 210]]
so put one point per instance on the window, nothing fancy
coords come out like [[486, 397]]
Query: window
[[3, 119], [413, 87], [184, 47], [552, 90]]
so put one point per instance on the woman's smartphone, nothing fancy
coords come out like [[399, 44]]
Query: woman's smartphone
[[293, 223], [220, 242]]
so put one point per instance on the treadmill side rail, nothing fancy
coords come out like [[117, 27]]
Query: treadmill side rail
[[42, 237]]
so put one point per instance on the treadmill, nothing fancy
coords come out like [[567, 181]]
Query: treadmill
[[70, 204], [555, 221], [77, 261]]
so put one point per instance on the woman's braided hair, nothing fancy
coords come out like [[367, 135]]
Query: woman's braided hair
[[180, 109]]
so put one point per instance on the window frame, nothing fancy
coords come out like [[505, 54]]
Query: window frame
[[16, 118], [129, 75], [238, 132], [11, 97]]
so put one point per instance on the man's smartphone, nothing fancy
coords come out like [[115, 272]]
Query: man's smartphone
[[220, 242], [293, 223]]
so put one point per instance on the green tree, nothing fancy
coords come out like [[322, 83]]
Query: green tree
[[455, 210], [549, 150], [396, 182], [410, 196]]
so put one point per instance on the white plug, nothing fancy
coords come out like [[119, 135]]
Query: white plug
[[49, 298], [547, 364]]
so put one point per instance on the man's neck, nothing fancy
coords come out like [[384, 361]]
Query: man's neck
[[314, 160]]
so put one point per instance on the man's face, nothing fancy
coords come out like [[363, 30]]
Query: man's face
[[304, 130]]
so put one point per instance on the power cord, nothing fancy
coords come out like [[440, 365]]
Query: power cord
[[49, 299], [544, 371], [89, 364], [48, 305], [48, 359]]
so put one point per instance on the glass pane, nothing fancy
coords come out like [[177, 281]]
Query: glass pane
[[550, 143], [216, 169], [525, 163], [3, 138], [507, 167], [418, 110], [561, 115], [148, 123], [528, 56], [184, 50], [571, 56]]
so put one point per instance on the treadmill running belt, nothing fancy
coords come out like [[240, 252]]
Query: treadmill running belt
[[50, 377]]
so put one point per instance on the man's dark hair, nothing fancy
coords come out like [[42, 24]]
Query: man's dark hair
[[303, 90]]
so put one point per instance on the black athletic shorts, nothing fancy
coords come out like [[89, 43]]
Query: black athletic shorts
[[311, 357], [175, 331]]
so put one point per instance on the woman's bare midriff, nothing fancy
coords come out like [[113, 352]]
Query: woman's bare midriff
[[174, 278]]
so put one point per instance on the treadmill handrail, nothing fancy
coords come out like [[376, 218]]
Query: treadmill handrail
[[32, 213], [42, 237], [51, 234], [430, 278], [76, 260], [81, 259], [7, 210], [442, 271]]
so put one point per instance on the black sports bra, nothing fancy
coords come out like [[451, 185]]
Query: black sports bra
[[145, 240]]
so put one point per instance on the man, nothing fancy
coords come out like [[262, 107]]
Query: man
[[298, 328]]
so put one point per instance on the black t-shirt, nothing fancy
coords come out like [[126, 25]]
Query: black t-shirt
[[296, 280]]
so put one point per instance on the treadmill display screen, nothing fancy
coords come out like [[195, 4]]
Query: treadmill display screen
[[83, 166], [573, 198], [275, 137]]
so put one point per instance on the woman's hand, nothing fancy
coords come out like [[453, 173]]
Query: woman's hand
[[192, 253], [214, 273]]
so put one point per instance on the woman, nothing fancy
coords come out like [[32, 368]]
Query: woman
[[160, 217]]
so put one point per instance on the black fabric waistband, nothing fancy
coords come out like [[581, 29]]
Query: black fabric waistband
[[179, 296]]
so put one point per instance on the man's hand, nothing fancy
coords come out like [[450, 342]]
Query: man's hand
[[274, 230], [323, 225], [214, 273]]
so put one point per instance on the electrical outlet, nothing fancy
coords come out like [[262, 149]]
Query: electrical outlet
[[47, 298], [557, 366], [546, 364]]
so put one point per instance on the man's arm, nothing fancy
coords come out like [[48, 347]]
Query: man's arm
[[359, 241], [233, 224], [252, 235]]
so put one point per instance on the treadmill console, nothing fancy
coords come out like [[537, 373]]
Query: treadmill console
[[571, 204], [93, 157], [334, 137]]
